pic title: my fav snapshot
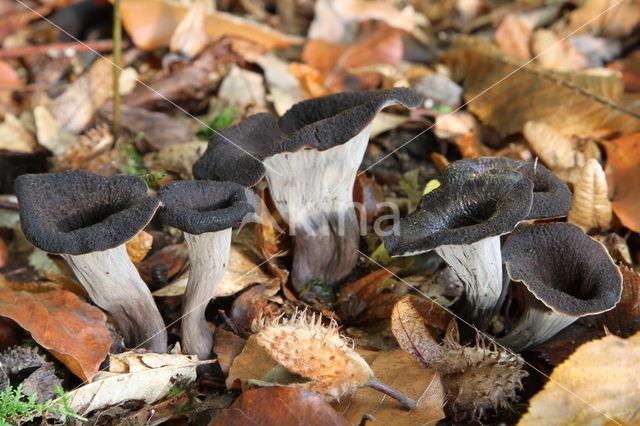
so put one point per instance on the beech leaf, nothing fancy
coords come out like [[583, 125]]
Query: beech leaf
[[591, 208], [412, 334]]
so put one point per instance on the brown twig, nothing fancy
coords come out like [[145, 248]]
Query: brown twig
[[97, 45], [393, 393], [117, 59]]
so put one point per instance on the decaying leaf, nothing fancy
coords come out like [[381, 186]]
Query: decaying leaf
[[401, 371], [50, 133], [513, 35], [71, 330], [241, 88], [180, 158], [190, 37], [42, 381], [591, 208], [556, 53], [227, 346], [75, 108], [279, 405], [532, 94], [413, 335], [623, 175], [604, 18], [139, 246], [555, 149], [151, 23], [306, 347], [133, 376], [253, 363], [14, 136], [604, 380]]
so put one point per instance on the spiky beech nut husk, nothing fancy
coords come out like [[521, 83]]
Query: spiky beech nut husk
[[479, 378], [303, 345]]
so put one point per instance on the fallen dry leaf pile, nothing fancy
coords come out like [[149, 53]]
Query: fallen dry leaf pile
[[556, 83]]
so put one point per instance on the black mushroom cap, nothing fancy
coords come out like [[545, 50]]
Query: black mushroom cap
[[235, 154], [563, 267], [203, 206], [78, 212], [484, 205], [551, 196]]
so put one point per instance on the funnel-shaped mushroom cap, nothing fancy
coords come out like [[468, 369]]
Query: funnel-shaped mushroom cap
[[236, 153], [203, 206], [551, 196], [78, 212], [564, 268], [481, 206]]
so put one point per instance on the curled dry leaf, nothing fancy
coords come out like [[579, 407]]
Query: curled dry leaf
[[591, 208], [133, 376], [139, 246], [14, 136], [603, 377], [71, 330], [556, 150], [413, 335], [623, 175], [513, 35], [151, 23], [279, 405], [304, 346], [253, 303], [190, 37], [50, 133], [556, 53], [227, 346], [601, 17]]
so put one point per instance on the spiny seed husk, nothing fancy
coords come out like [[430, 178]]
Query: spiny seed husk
[[303, 345]]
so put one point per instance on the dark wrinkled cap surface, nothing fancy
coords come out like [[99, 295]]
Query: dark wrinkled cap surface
[[551, 196], [78, 212], [235, 154], [481, 206], [564, 268], [203, 206]]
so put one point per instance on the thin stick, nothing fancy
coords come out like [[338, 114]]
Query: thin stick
[[393, 393], [117, 60]]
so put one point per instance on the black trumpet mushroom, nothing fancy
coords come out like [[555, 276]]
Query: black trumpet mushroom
[[87, 219]]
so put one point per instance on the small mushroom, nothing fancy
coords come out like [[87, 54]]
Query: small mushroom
[[463, 223], [87, 219], [551, 196], [568, 275], [206, 212], [310, 157]]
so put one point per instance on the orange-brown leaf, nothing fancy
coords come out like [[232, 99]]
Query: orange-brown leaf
[[72, 330], [279, 406], [412, 334], [624, 176]]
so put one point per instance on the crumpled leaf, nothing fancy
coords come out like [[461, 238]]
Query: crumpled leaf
[[623, 175], [50, 133], [139, 246], [73, 331], [14, 136], [555, 149], [180, 158], [241, 88], [227, 346], [590, 207], [603, 376], [146, 376], [42, 381], [190, 37], [253, 363], [513, 35], [556, 53], [402, 372], [151, 23], [413, 335], [601, 17], [279, 405], [534, 94]]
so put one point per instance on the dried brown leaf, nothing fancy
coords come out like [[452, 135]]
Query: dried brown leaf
[[591, 208], [603, 376], [139, 246], [279, 405], [402, 372], [624, 176], [413, 335], [556, 150], [190, 37], [591, 102], [253, 363], [14, 136], [604, 18], [556, 53], [227, 347], [513, 35], [72, 330]]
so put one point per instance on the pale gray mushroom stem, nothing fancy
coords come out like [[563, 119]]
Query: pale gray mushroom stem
[[313, 191], [209, 256], [536, 325], [479, 267], [114, 284]]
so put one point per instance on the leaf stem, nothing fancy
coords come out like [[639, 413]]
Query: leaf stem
[[393, 393], [117, 60]]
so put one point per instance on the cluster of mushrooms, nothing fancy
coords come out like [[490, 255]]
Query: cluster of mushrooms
[[566, 273], [309, 158]]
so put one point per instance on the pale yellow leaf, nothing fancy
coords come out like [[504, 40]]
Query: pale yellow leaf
[[190, 36], [15, 137], [556, 150], [591, 208]]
